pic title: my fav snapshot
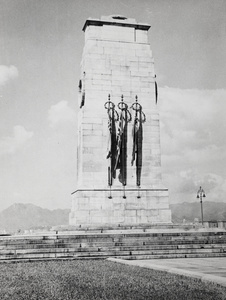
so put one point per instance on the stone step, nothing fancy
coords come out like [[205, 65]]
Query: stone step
[[167, 235], [14, 256], [169, 256], [167, 247], [99, 255], [106, 246], [174, 240], [112, 248], [148, 252], [142, 234], [31, 256], [126, 243], [159, 242], [122, 241], [130, 245], [108, 252], [51, 240], [111, 227]]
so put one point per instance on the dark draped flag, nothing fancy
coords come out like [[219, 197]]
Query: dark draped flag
[[156, 92], [112, 147], [137, 145], [81, 87], [83, 100], [121, 157]]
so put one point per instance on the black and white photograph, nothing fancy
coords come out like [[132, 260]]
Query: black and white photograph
[[112, 149]]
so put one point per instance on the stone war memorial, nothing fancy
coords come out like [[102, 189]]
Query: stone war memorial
[[119, 179], [120, 207]]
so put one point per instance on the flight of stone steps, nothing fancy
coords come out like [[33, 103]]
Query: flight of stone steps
[[125, 243]]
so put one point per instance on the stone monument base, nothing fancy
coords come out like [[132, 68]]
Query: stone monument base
[[96, 207]]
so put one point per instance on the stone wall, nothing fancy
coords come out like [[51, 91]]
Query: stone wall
[[95, 207]]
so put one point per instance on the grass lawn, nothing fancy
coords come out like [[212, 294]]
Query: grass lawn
[[98, 279]]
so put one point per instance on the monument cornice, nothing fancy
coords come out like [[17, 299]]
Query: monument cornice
[[120, 190], [96, 22]]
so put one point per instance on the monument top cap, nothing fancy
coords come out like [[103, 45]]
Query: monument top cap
[[116, 20]]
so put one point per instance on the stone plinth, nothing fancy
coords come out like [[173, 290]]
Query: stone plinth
[[117, 60], [96, 208]]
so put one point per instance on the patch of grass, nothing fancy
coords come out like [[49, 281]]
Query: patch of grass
[[95, 279]]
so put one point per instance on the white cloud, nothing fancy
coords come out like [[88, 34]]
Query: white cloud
[[15, 142], [192, 119], [209, 180], [61, 113], [193, 145], [183, 186], [7, 73]]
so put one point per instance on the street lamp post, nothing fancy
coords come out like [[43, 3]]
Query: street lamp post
[[201, 194]]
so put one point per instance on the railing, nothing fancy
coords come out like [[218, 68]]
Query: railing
[[214, 224]]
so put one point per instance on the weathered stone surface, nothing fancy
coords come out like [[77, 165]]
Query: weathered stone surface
[[117, 60], [131, 210]]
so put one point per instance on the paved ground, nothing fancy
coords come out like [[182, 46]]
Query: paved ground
[[206, 269]]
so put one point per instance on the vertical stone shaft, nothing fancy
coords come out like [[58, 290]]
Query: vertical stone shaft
[[117, 60]]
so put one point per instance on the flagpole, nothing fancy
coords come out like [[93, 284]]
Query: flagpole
[[123, 149], [138, 196], [110, 110], [138, 120], [110, 197], [138, 152], [137, 141], [136, 107], [124, 192]]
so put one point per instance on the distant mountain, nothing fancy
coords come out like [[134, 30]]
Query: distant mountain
[[212, 211], [28, 216]]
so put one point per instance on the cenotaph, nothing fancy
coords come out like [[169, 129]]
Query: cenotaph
[[118, 137]]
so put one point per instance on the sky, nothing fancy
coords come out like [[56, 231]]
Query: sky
[[41, 43]]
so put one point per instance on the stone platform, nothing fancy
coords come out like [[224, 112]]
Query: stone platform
[[97, 207], [126, 242]]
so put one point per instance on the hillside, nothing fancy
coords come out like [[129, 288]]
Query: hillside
[[27, 216], [212, 211]]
